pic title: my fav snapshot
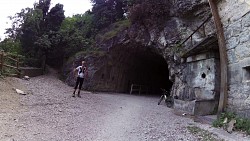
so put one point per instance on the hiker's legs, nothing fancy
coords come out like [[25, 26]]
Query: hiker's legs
[[80, 86], [77, 83]]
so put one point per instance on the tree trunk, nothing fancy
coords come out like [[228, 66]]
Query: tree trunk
[[223, 56]]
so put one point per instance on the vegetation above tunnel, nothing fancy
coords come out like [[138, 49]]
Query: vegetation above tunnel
[[43, 32]]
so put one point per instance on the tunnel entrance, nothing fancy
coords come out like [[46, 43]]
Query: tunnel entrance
[[140, 66]]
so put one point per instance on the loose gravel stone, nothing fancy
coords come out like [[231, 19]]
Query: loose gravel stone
[[49, 112]]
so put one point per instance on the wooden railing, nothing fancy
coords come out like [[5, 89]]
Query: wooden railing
[[9, 62], [202, 26], [138, 89]]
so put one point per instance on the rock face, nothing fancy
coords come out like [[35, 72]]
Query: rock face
[[93, 63], [191, 8], [151, 55], [146, 54]]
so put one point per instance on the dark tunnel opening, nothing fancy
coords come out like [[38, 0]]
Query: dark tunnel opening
[[141, 66]]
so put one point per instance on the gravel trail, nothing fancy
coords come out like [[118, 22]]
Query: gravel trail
[[49, 113]]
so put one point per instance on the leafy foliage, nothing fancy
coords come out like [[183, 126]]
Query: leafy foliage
[[10, 45], [107, 12], [43, 32], [204, 135], [77, 33], [242, 124], [149, 12], [37, 29], [54, 18], [113, 30]]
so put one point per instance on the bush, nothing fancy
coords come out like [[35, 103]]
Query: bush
[[11, 46], [114, 29], [242, 124], [149, 11]]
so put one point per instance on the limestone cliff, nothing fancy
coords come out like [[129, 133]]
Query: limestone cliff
[[150, 52], [147, 50]]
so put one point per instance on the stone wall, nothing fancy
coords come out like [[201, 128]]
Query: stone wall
[[235, 16]]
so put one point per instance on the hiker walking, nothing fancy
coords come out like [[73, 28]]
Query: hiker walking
[[81, 70]]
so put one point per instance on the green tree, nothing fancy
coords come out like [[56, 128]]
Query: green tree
[[107, 12], [54, 18], [77, 33], [53, 22], [11, 46], [38, 30]]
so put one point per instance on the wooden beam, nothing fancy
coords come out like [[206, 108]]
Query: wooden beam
[[2, 61], [12, 59], [223, 57], [11, 75], [10, 66]]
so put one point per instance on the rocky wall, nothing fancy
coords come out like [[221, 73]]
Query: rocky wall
[[127, 46], [235, 16]]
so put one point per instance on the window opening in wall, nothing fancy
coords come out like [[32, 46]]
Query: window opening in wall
[[246, 73], [203, 75]]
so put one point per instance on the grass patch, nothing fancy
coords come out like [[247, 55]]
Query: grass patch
[[1, 77], [93, 52], [97, 53], [204, 135], [242, 124], [114, 29]]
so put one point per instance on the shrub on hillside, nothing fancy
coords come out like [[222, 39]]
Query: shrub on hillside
[[149, 11]]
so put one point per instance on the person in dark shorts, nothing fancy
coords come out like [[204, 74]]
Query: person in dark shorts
[[81, 70]]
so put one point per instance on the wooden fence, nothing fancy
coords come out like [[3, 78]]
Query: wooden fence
[[139, 89], [9, 64]]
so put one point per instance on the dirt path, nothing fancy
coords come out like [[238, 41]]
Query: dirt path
[[49, 113]]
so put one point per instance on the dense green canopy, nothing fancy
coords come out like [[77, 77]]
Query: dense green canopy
[[44, 35]]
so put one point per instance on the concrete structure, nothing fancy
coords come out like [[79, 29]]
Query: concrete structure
[[200, 94], [202, 84]]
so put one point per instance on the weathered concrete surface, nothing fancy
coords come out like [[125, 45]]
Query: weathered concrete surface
[[235, 16], [187, 106], [201, 79], [201, 76], [196, 107]]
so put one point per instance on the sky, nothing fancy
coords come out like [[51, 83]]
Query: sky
[[10, 7]]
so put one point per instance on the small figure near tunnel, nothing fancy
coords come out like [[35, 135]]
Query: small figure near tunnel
[[80, 78]]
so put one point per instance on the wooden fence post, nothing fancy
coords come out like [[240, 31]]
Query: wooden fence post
[[223, 57], [2, 61], [17, 66]]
